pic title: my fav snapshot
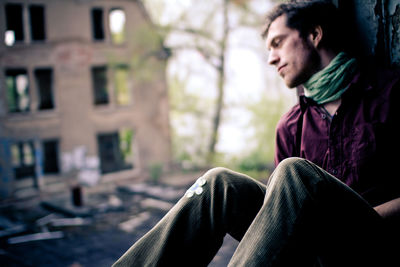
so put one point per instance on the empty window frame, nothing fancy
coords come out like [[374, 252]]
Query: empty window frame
[[115, 151], [44, 85], [23, 159], [17, 84], [97, 15], [51, 156], [14, 24], [37, 22], [117, 19], [121, 85], [99, 83]]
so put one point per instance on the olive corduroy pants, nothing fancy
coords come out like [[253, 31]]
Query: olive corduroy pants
[[302, 217]]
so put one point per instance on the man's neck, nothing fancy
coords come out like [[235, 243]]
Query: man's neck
[[326, 56]]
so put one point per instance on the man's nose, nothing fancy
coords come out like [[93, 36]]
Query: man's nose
[[273, 57]]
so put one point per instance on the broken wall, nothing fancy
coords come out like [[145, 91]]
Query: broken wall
[[375, 27]]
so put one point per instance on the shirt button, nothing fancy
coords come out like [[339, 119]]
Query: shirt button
[[323, 116], [334, 172]]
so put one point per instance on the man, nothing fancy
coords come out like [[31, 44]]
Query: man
[[335, 188]]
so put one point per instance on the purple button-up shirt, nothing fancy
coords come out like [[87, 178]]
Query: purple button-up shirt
[[359, 144]]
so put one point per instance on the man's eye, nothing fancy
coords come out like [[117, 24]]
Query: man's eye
[[277, 43]]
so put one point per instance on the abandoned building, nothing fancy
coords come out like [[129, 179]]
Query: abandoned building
[[80, 101]]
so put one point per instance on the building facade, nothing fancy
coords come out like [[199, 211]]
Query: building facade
[[83, 95]]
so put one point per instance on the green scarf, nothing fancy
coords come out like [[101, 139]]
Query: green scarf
[[331, 82]]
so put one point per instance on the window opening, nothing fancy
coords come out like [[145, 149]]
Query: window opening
[[44, 84], [17, 90], [37, 22], [23, 159], [15, 155], [97, 24], [9, 38], [115, 151], [121, 75], [126, 145], [117, 25], [50, 157], [99, 80], [14, 24]]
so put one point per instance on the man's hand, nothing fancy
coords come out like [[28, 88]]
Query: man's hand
[[389, 210]]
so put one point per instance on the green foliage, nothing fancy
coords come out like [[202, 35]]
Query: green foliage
[[121, 74], [254, 161], [155, 170], [251, 164], [125, 144], [266, 114], [118, 37], [12, 96], [146, 38], [148, 59], [147, 46], [255, 165], [189, 115], [257, 161]]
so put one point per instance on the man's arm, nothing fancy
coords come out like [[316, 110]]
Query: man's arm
[[389, 210]]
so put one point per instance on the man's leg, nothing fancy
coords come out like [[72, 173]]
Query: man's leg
[[190, 234], [306, 214]]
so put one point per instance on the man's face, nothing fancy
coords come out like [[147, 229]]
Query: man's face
[[295, 59]]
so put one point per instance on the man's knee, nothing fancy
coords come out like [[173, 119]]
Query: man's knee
[[296, 170], [293, 165], [292, 162], [223, 179], [218, 176], [217, 171], [208, 182]]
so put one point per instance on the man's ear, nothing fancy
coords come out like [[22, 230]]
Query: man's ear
[[316, 36]]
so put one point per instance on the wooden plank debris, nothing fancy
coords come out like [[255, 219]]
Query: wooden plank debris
[[35, 237]]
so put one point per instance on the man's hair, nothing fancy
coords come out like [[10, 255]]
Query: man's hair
[[304, 16]]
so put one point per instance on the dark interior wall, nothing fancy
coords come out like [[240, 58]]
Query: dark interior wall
[[374, 27]]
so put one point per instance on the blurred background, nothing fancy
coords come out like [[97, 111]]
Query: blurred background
[[110, 109], [97, 90]]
